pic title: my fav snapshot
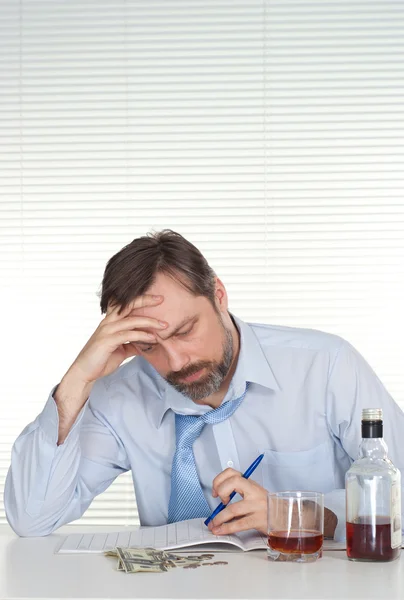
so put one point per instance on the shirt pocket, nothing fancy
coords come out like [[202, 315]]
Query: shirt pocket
[[305, 470]]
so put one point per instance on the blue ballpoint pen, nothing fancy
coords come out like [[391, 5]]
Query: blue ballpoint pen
[[246, 475]]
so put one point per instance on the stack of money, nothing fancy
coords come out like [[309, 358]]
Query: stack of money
[[150, 560]]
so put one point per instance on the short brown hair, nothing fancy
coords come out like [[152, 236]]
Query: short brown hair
[[132, 271]]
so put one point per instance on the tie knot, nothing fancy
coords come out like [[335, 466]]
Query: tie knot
[[189, 427]]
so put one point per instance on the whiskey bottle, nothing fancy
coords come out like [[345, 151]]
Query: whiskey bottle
[[373, 497]]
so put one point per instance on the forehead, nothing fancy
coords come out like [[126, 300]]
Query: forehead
[[178, 301]]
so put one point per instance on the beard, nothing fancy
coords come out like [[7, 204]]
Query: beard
[[209, 383]]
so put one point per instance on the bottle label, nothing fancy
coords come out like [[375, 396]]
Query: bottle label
[[395, 512]]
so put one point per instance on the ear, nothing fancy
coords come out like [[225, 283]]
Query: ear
[[221, 296]]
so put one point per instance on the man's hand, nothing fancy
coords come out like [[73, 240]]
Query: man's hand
[[252, 511], [248, 513], [111, 343]]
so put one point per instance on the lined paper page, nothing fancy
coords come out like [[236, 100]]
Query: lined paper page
[[175, 535]]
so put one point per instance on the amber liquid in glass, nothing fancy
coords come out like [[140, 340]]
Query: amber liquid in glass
[[368, 542], [291, 542]]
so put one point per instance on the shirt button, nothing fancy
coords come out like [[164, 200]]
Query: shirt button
[[230, 463]]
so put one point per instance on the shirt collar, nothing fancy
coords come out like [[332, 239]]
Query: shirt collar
[[252, 366], [252, 363]]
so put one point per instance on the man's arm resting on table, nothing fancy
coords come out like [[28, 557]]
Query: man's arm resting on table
[[48, 484]]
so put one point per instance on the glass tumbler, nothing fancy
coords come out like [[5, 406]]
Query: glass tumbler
[[295, 526]]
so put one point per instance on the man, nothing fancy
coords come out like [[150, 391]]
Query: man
[[204, 395]]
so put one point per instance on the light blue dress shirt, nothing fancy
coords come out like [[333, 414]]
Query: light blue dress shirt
[[302, 409]]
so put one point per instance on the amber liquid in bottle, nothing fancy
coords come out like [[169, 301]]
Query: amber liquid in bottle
[[370, 542], [290, 542], [373, 497]]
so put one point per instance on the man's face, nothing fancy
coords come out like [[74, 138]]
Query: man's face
[[194, 353]]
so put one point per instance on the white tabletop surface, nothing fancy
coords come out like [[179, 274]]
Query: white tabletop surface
[[29, 568]]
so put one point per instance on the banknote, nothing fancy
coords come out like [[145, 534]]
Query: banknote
[[132, 558], [142, 560], [151, 560]]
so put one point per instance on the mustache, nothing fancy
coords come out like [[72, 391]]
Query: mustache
[[176, 376]]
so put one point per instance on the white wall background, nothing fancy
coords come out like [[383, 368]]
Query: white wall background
[[270, 133]]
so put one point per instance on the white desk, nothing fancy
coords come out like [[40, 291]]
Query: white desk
[[30, 569]]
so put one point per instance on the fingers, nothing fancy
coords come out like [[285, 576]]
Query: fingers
[[219, 479], [241, 524], [139, 302], [128, 323], [234, 483], [233, 511], [129, 350], [249, 513], [255, 505], [124, 337]]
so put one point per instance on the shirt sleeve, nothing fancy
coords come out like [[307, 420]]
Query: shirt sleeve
[[49, 485], [352, 386]]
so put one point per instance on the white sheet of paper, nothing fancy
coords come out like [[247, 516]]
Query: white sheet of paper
[[175, 535]]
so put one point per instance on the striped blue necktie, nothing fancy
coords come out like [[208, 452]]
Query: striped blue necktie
[[187, 500]]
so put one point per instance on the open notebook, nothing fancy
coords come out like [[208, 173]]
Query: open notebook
[[167, 537]]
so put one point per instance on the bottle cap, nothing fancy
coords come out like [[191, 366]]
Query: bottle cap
[[372, 414]]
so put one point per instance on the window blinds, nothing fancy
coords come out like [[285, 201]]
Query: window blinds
[[269, 133]]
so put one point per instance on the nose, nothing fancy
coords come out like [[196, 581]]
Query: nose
[[177, 359]]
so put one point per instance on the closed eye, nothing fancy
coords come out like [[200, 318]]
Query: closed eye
[[151, 347], [148, 348], [186, 332]]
